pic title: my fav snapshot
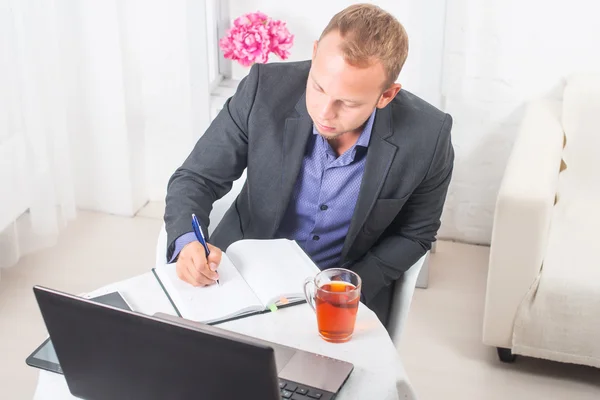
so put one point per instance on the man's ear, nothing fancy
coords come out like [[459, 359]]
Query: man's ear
[[314, 53], [388, 95]]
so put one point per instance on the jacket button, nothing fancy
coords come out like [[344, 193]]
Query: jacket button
[[324, 207], [316, 237]]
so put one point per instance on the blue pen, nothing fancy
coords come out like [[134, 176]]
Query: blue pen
[[200, 236]]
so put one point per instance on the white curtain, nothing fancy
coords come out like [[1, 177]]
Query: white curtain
[[100, 101], [36, 183]]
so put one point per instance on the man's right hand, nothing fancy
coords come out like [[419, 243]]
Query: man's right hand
[[193, 267]]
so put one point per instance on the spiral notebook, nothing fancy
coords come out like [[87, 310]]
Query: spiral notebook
[[255, 276]]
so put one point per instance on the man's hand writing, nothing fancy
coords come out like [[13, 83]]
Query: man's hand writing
[[193, 267]]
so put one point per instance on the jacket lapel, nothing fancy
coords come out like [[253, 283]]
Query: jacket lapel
[[380, 155], [297, 131]]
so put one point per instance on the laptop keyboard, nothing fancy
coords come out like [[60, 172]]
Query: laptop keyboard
[[293, 391]]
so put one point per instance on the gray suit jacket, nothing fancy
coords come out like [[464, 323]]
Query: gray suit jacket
[[265, 126]]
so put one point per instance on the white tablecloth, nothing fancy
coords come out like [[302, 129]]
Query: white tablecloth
[[378, 373]]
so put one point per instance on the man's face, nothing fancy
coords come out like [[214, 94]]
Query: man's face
[[340, 97]]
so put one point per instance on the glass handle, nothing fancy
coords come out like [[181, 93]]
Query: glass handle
[[309, 293]]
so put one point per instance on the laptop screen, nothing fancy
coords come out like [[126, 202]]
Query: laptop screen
[[110, 353]]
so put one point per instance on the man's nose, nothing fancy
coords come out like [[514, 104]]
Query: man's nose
[[327, 111]]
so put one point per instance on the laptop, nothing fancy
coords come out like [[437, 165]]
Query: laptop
[[109, 353]]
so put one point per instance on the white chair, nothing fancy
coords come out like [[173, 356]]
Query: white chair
[[403, 292], [402, 299]]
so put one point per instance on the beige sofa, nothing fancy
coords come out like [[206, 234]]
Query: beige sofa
[[543, 287]]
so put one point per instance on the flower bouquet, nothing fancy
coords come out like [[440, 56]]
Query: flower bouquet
[[253, 37]]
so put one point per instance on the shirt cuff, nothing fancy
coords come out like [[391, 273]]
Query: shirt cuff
[[180, 243]]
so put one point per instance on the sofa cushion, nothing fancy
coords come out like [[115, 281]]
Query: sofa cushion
[[581, 123]]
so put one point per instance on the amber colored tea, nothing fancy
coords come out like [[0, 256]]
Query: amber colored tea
[[336, 306]]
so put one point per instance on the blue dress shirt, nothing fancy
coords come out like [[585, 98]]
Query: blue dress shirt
[[322, 204]]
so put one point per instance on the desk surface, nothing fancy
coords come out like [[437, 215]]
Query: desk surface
[[378, 372]]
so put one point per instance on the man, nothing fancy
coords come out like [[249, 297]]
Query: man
[[338, 158]]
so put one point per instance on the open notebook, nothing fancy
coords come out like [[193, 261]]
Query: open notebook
[[255, 276]]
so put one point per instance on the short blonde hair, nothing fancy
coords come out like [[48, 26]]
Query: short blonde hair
[[371, 34]]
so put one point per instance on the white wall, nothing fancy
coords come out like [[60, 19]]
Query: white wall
[[498, 55]]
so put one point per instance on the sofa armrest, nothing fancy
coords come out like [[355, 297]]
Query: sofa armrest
[[522, 218]]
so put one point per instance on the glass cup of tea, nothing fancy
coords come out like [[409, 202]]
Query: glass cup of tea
[[334, 295]]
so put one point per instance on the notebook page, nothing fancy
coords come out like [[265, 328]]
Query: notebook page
[[273, 268], [206, 304]]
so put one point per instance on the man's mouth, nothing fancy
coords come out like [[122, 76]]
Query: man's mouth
[[325, 127]]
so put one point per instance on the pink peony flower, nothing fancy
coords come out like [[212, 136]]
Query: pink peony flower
[[252, 19], [281, 39], [246, 44], [253, 37]]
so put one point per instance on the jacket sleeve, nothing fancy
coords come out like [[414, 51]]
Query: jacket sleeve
[[216, 161]]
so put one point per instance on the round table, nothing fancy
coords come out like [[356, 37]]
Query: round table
[[378, 372]]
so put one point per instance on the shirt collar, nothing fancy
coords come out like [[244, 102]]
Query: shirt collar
[[365, 136]]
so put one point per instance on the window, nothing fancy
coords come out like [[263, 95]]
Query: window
[[219, 68], [212, 23]]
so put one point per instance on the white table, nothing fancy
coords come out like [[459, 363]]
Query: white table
[[378, 372]]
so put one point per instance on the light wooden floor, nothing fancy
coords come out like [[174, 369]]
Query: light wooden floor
[[441, 346]]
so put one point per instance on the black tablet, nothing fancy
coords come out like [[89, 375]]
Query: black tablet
[[44, 356]]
